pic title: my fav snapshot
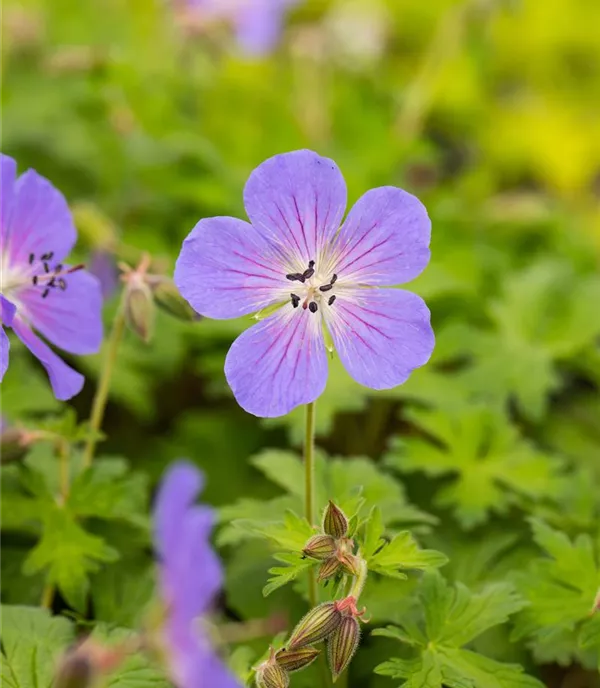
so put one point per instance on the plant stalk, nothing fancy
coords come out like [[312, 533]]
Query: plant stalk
[[101, 396], [309, 488]]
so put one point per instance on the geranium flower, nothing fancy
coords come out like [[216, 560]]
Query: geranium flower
[[257, 23], [190, 577], [295, 255], [37, 289]]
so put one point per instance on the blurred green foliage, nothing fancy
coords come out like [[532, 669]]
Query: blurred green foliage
[[485, 109]]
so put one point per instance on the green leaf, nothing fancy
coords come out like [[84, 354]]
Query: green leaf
[[69, 553], [32, 641], [448, 618], [488, 464], [401, 552], [281, 575], [108, 490]]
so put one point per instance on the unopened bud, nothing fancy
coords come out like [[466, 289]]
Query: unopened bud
[[167, 296], [316, 625], [349, 563], [96, 228], [294, 660], [342, 644], [328, 569], [75, 671], [320, 547], [335, 522], [139, 308], [271, 675]]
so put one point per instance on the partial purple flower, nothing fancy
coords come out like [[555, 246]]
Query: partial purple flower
[[295, 255], [104, 267], [257, 23], [38, 290], [190, 577]]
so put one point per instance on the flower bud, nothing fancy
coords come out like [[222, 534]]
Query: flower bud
[[335, 522], [320, 547], [328, 569], [139, 308], [75, 671], [294, 660], [168, 298], [349, 563], [320, 622], [271, 675], [342, 644]]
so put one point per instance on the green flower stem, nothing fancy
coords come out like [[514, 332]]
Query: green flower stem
[[64, 458], [47, 596], [101, 396], [309, 488], [360, 580]]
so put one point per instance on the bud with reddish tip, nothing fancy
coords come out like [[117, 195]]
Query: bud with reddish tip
[[342, 644], [294, 660], [316, 625], [271, 675], [139, 309], [320, 547], [328, 569], [75, 671], [335, 522]]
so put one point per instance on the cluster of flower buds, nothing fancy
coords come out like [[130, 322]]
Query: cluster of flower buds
[[334, 622], [332, 547], [144, 290], [84, 664]]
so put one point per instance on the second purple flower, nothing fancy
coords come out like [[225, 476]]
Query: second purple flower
[[295, 257]]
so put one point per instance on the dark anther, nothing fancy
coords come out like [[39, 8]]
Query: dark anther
[[31, 258], [46, 268], [51, 282], [308, 273], [333, 279], [46, 292], [47, 256], [312, 306], [331, 300], [326, 287], [35, 280], [295, 277], [61, 283], [295, 300], [311, 263], [58, 269]]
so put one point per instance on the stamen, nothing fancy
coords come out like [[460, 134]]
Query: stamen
[[331, 300], [312, 307], [46, 292], [31, 258], [46, 268], [51, 282], [34, 280], [47, 256], [308, 273], [295, 276], [61, 283], [333, 279], [295, 300], [58, 269], [311, 263], [326, 287]]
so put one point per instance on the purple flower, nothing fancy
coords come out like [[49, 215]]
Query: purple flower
[[294, 254], [190, 577], [257, 23], [38, 291]]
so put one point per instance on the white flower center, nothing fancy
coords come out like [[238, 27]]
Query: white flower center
[[314, 289]]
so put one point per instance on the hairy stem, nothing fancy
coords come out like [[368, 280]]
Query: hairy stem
[[63, 450], [101, 396], [309, 487]]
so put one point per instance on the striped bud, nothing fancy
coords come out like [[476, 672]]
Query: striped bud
[[75, 671], [167, 297], [271, 675], [139, 309], [316, 625], [342, 644], [328, 569], [335, 522], [294, 660], [320, 547], [349, 563]]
